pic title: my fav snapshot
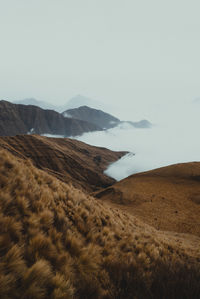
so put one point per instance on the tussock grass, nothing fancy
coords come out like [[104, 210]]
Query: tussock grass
[[56, 242]]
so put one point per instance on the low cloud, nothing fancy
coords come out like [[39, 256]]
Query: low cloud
[[174, 140]]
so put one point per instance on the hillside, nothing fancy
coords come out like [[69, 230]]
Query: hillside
[[56, 242], [22, 119], [69, 160], [167, 198], [97, 117]]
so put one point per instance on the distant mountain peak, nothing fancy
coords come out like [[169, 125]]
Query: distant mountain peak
[[103, 119], [35, 102], [95, 116], [80, 100]]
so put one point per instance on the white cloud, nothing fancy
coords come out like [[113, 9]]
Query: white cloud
[[175, 140]]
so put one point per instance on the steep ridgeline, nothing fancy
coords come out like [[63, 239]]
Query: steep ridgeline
[[167, 198], [102, 119], [69, 160], [97, 117], [21, 119]]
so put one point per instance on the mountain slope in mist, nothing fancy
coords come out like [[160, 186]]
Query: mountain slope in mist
[[72, 103], [34, 102], [69, 160], [79, 100], [174, 139], [103, 119], [142, 124], [167, 198], [56, 242], [97, 117], [22, 119]]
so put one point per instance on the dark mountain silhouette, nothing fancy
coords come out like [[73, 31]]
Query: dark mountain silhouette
[[22, 119], [97, 117], [101, 118], [69, 160]]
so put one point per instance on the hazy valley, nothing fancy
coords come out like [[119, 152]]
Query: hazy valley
[[70, 230], [99, 149]]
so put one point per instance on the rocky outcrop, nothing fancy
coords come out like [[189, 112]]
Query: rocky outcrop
[[22, 119]]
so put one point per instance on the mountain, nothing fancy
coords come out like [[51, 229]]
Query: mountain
[[102, 119], [21, 119], [69, 160], [142, 124], [86, 109], [57, 242], [167, 198], [34, 102], [79, 101], [72, 103], [97, 117]]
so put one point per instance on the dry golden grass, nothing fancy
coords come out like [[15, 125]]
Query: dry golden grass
[[57, 242], [166, 198], [69, 160]]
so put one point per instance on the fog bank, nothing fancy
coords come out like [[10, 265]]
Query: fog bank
[[174, 139]]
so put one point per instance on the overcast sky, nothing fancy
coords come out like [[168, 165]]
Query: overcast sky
[[132, 52]]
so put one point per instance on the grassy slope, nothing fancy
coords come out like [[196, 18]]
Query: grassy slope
[[56, 242], [69, 160], [167, 198]]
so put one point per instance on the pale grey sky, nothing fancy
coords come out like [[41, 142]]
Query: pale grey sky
[[133, 52]]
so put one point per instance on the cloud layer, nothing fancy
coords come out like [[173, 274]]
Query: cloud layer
[[174, 140]]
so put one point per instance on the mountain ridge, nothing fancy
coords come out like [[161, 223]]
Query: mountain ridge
[[103, 119], [22, 119], [72, 103], [97, 117]]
